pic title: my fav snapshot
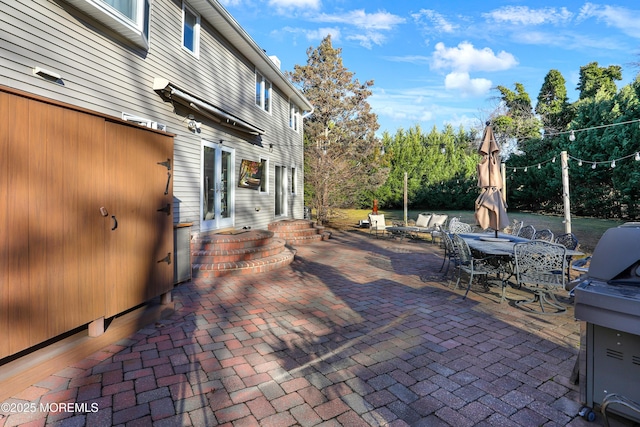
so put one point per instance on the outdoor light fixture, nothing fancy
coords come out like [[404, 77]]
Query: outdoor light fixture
[[580, 162], [637, 157], [613, 164], [572, 136], [192, 124], [593, 166], [271, 148]]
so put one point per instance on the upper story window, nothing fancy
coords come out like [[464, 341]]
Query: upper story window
[[294, 116], [129, 18], [263, 92], [190, 29]]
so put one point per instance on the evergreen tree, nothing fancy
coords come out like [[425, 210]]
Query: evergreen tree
[[553, 105], [594, 79], [342, 154]]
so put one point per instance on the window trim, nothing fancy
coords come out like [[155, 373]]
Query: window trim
[[264, 97], [294, 180], [264, 181], [294, 116], [196, 30], [134, 31]]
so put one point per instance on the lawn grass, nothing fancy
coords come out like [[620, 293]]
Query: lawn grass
[[587, 230]]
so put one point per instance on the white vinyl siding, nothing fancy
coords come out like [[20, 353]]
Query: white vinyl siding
[[103, 74]]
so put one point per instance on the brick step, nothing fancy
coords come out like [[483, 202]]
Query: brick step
[[233, 241], [273, 247], [290, 224], [303, 240], [296, 233], [254, 266]]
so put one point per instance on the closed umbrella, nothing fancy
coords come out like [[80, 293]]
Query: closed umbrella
[[490, 207]]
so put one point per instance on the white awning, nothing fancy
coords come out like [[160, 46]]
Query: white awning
[[204, 108]]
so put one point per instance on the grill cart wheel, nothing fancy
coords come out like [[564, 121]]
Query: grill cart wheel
[[587, 414]]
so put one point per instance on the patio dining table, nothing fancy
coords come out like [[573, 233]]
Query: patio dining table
[[488, 244], [502, 248]]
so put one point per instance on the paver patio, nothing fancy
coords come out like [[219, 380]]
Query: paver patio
[[357, 331]]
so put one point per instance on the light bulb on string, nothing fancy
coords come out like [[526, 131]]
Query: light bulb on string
[[572, 136], [613, 164], [553, 160], [593, 166], [539, 166], [580, 162], [637, 157], [525, 168]]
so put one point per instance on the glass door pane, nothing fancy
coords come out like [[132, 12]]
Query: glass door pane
[[209, 184], [225, 188], [217, 193], [278, 191]]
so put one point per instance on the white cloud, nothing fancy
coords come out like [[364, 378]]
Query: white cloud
[[434, 20], [522, 15], [368, 39], [371, 21], [465, 58], [285, 5], [462, 82], [626, 20], [372, 25], [314, 35]]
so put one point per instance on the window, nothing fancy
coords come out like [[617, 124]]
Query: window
[[264, 182], [130, 18], [190, 29], [294, 177], [294, 116], [263, 92]]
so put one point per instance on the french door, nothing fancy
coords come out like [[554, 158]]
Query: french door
[[280, 191], [217, 186]]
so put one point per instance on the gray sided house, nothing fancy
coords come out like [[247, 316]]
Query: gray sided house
[[121, 120], [184, 67]]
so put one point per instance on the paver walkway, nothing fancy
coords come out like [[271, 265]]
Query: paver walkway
[[357, 331]]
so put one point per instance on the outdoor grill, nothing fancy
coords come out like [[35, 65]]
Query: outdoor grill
[[607, 302]]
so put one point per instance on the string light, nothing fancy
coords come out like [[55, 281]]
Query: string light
[[572, 137]]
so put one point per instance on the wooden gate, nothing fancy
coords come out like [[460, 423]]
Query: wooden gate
[[67, 178]]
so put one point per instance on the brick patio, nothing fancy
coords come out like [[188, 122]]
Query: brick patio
[[357, 331]]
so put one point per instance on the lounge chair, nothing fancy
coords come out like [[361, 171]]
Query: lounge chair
[[377, 225], [432, 224]]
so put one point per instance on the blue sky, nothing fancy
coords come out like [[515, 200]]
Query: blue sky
[[438, 62]]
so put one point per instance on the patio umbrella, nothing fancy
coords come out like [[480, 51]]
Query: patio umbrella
[[490, 207]]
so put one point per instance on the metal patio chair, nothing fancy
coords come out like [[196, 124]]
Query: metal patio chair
[[569, 241], [458, 227], [472, 266], [540, 267], [527, 231], [545, 234]]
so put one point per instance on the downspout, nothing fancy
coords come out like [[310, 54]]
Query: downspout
[[308, 113]]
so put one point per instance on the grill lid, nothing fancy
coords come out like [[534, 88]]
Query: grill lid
[[616, 258]]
